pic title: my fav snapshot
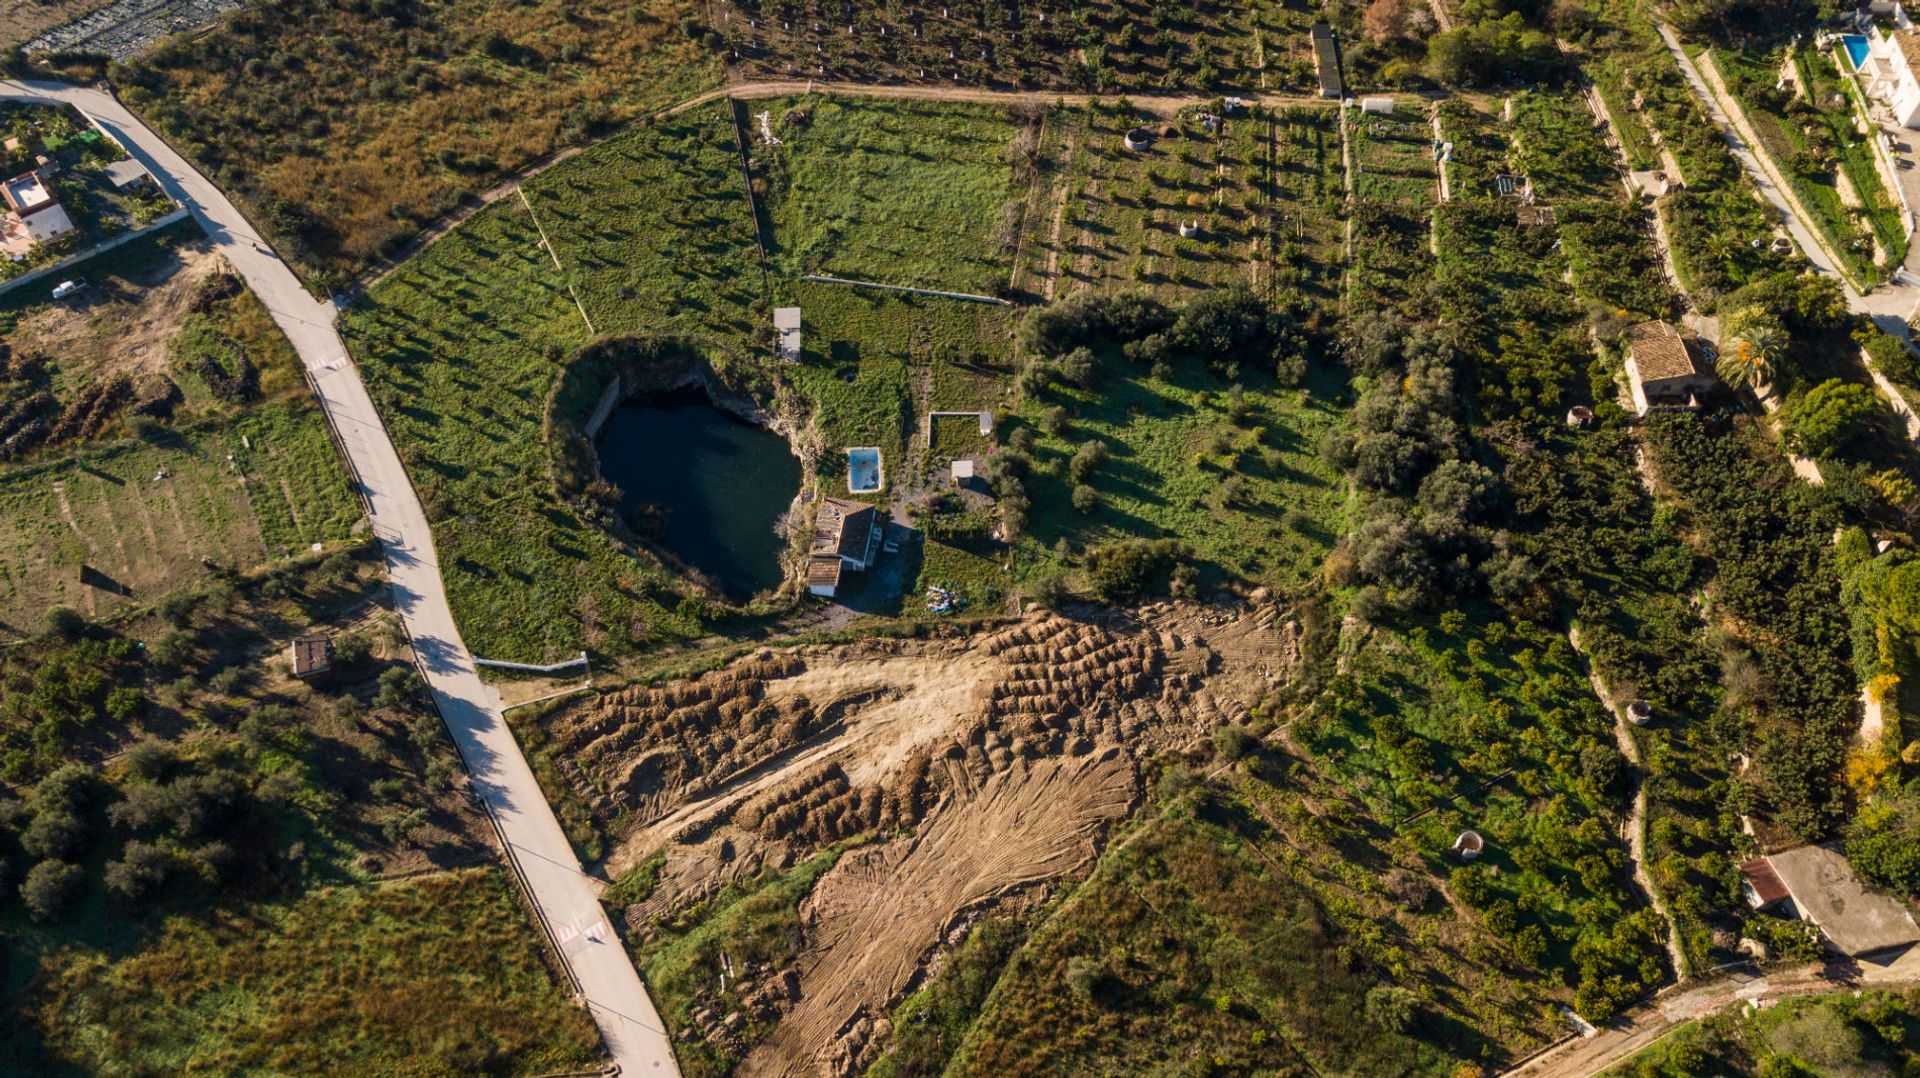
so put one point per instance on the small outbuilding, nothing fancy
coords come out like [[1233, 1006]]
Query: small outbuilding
[[1665, 370], [1378, 106], [312, 655], [786, 323], [823, 574], [1326, 60]]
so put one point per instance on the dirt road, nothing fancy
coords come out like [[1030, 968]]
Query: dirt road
[[566, 899]]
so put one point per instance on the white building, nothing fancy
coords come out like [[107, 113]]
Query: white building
[[1892, 72], [31, 202]]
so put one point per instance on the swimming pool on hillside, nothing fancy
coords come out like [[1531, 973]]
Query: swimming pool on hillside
[[864, 475], [1856, 50]]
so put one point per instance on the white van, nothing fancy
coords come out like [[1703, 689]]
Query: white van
[[68, 288]]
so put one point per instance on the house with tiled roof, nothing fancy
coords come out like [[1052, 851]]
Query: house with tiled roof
[[846, 535], [1666, 369]]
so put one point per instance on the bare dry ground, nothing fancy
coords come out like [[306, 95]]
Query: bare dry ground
[[997, 765], [123, 325]]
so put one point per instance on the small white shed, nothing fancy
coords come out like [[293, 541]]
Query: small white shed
[[786, 321]]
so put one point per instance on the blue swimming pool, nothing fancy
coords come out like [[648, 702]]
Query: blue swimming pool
[[1856, 50], [863, 470]]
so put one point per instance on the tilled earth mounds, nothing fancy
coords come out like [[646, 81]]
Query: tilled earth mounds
[[999, 762]]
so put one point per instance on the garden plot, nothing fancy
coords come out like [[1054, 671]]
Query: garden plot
[[1826, 161], [896, 192], [97, 530], [1255, 196], [1395, 183], [1393, 156]]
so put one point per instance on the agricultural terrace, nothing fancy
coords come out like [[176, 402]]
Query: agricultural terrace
[[1628, 579], [1486, 725], [1712, 224], [343, 130], [1394, 185], [1810, 135], [900, 193], [1103, 47], [1262, 191], [155, 420]]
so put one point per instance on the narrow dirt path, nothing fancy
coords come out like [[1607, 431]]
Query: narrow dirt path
[[1636, 823]]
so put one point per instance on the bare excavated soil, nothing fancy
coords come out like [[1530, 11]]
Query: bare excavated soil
[[999, 763], [123, 325]]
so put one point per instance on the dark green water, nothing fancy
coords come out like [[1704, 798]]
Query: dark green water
[[719, 483]]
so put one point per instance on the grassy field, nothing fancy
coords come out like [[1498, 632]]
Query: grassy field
[[103, 509], [428, 976], [344, 130], [1252, 498], [896, 192]]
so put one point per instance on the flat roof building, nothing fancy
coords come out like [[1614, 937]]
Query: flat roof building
[[312, 655], [786, 322], [1821, 889]]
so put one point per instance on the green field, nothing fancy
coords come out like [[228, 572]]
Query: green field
[[1259, 190], [895, 192], [429, 976], [102, 508]]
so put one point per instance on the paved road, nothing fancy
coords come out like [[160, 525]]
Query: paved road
[[567, 900]]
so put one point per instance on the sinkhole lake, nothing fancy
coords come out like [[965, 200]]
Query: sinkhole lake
[[720, 483]]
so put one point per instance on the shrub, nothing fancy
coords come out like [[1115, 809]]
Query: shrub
[[65, 621], [1233, 741], [399, 686], [1884, 844], [141, 869], [1392, 1007], [50, 887], [1085, 978], [1085, 499], [1049, 592], [1086, 461], [1830, 417], [1126, 569]]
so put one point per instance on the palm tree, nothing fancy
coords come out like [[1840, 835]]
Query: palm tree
[[1750, 355]]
